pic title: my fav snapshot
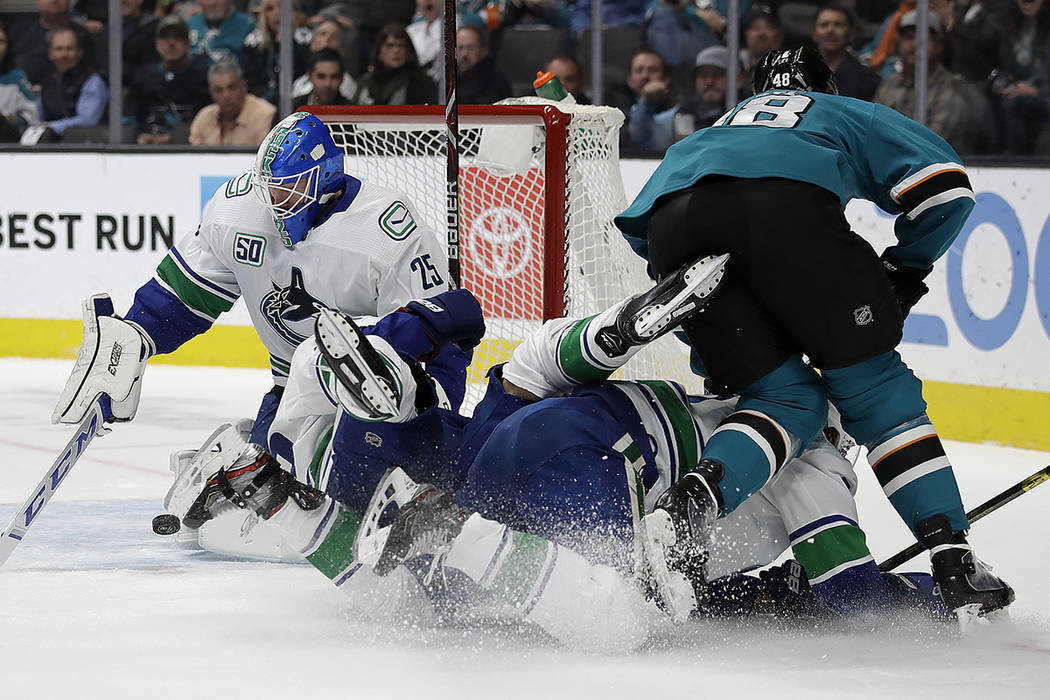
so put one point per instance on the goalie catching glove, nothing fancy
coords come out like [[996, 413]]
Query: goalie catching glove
[[111, 361]]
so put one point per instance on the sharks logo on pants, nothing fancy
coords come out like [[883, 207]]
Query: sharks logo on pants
[[285, 305]]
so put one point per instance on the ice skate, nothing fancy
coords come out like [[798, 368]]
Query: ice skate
[[427, 524], [676, 537], [659, 310], [966, 584], [366, 383], [256, 482]]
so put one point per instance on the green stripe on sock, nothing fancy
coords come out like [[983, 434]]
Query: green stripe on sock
[[682, 424], [827, 549], [315, 463], [521, 569], [572, 360], [192, 295], [336, 551]]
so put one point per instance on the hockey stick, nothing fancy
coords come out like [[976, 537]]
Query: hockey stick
[[92, 425], [989, 506], [451, 144]]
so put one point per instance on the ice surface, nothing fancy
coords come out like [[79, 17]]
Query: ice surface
[[93, 605]]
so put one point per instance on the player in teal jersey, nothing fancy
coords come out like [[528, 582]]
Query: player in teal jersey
[[767, 183]]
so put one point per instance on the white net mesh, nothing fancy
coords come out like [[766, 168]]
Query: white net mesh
[[509, 194]]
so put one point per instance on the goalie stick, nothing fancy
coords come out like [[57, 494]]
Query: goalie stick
[[94, 423], [451, 145], [989, 506]]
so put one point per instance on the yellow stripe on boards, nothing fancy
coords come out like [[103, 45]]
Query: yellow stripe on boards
[[989, 414], [221, 346], [960, 411]]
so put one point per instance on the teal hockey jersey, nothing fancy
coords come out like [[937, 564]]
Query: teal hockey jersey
[[852, 148]]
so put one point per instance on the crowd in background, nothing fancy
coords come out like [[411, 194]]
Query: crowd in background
[[206, 72]]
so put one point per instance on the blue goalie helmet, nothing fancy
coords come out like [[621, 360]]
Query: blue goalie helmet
[[795, 69], [297, 171]]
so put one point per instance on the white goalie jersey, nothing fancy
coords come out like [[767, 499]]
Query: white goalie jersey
[[370, 256]]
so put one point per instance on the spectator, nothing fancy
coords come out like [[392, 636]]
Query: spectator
[[30, 46], [947, 110], [568, 71], [427, 34], [17, 102], [678, 32], [480, 81], [168, 93], [708, 103], [1021, 85], [762, 33], [879, 54], [74, 94], [394, 76], [235, 118], [615, 13], [139, 36], [218, 31], [483, 14], [325, 74], [93, 13], [974, 30], [833, 34], [262, 49], [367, 17], [327, 35], [650, 123], [554, 13]]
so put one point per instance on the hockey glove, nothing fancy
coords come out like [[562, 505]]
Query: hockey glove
[[908, 285], [788, 593], [451, 317], [111, 361]]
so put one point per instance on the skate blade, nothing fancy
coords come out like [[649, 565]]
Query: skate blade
[[702, 279], [971, 620], [340, 343], [675, 589]]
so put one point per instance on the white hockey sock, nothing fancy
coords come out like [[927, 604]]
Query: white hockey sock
[[583, 605], [563, 354]]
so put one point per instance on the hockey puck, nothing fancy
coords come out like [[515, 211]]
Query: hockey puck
[[166, 524]]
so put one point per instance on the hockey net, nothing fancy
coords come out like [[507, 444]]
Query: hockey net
[[539, 187]]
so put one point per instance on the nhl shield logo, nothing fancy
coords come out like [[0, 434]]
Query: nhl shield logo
[[863, 315]]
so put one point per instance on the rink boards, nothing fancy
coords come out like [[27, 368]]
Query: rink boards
[[979, 339]]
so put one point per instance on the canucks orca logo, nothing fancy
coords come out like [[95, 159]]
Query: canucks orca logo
[[289, 304]]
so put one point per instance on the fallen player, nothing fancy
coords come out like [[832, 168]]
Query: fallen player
[[547, 521]]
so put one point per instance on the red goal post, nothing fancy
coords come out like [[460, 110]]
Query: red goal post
[[539, 186]]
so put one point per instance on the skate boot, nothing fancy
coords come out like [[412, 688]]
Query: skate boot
[[367, 385], [966, 584], [651, 314], [676, 537], [425, 525], [256, 482]]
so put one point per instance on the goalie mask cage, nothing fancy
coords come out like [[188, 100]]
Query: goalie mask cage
[[539, 186]]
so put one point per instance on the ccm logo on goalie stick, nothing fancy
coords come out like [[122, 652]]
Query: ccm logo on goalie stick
[[60, 470]]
